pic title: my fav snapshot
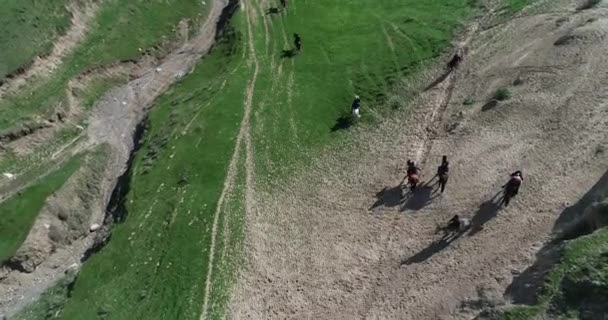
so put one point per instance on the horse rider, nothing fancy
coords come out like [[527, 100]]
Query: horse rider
[[297, 41], [455, 61], [442, 172], [515, 182], [412, 169], [356, 106]]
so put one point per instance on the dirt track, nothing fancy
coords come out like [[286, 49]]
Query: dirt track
[[344, 250]]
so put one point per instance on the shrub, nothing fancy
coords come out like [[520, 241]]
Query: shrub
[[502, 94]]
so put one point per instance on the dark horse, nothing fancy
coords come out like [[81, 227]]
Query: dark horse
[[443, 180], [454, 62], [511, 189]]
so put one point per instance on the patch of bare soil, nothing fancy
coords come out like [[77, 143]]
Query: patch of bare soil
[[112, 123], [342, 240]]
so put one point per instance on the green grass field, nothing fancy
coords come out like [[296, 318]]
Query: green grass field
[[29, 28], [159, 257], [19, 212]]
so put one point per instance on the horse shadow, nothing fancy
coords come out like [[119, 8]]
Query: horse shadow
[[289, 53], [273, 10], [439, 80], [419, 198], [433, 249], [389, 197], [486, 212], [342, 123]]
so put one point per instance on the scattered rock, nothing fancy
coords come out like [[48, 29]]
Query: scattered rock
[[94, 227], [9, 176]]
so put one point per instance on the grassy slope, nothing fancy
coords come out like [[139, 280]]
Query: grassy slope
[[149, 24], [584, 268], [28, 30], [19, 212], [158, 258], [348, 49]]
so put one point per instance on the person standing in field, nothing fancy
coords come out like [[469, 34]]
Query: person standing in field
[[297, 41], [356, 106]]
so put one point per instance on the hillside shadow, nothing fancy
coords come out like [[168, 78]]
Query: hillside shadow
[[288, 53], [342, 123], [525, 287], [573, 213], [388, 197], [486, 212], [439, 80], [433, 249]]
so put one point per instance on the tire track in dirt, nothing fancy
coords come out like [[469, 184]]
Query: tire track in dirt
[[82, 16], [243, 137]]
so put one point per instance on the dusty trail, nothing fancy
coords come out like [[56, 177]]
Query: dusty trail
[[243, 140], [82, 16], [113, 121], [315, 250]]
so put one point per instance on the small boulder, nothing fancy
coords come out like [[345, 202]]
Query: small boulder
[[94, 227]]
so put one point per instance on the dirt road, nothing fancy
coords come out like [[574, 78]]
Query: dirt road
[[353, 247]]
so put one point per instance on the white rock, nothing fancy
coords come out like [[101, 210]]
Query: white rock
[[46, 225], [159, 69], [124, 103], [9, 175], [79, 127], [94, 227]]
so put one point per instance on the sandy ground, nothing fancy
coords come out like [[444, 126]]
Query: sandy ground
[[113, 122], [343, 241]]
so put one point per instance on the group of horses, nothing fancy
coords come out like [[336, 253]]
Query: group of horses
[[510, 189]]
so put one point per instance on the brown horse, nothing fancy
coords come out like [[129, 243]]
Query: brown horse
[[413, 180]]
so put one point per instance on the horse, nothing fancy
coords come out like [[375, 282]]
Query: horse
[[413, 180], [443, 180], [454, 62], [510, 191]]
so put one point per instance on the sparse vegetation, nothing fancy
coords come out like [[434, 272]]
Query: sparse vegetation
[[28, 30], [468, 101], [502, 94], [49, 305], [151, 27], [20, 211]]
